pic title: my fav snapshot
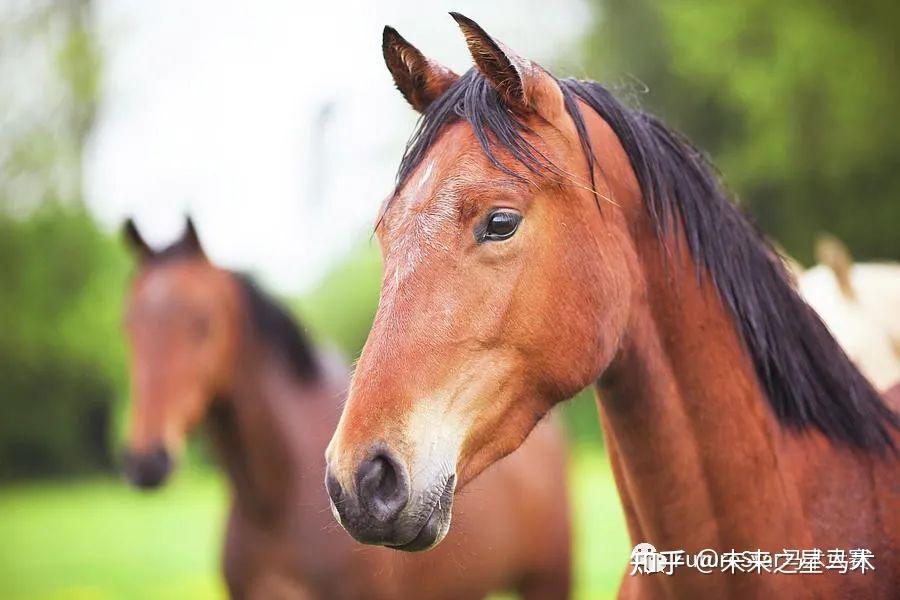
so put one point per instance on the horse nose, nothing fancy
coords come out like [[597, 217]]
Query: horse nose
[[147, 470], [370, 508], [382, 486]]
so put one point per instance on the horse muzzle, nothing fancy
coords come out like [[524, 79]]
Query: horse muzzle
[[148, 469], [382, 508]]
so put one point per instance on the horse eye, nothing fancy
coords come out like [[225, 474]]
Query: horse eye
[[500, 225]]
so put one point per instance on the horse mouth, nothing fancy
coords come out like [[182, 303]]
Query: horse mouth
[[435, 527]]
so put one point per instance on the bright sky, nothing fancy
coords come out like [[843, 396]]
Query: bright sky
[[274, 123]]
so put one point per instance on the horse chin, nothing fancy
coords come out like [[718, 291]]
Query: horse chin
[[436, 526]]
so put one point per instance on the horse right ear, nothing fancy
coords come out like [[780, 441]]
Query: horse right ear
[[419, 79], [135, 241], [831, 252], [521, 83]]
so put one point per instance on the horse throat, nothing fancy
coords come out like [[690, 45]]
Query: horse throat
[[251, 430], [694, 445]]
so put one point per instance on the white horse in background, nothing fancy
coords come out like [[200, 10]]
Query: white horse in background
[[860, 304]]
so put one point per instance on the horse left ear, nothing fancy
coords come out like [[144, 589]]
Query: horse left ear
[[189, 239], [420, 79], [135, 241], [523, 84]]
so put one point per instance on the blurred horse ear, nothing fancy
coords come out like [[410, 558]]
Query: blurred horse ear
[[135, 241], [831, 252], [190, 240], [522, 84], [419, 79]]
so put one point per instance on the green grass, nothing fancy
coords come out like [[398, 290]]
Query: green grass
[[98, 539], [602, 546], [101, 540]]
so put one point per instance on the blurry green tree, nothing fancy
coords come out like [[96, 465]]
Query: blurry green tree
[[61, 279], [794, 100]]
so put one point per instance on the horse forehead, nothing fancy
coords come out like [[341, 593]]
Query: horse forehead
[[455, 159], [426, 209], [156, 289], [419, 191], [162, 287], [454, 172]]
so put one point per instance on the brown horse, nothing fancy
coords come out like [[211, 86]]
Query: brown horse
[[208, 346], [542, 236]]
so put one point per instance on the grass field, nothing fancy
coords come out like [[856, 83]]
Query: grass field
[[99, 540]]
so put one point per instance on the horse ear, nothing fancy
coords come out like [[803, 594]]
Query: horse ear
[[419, 79], [135, 241], [190, 240], [831, 252], [521, 83]]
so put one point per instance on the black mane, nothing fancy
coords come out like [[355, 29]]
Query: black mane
[[274, 325], [808, 379]]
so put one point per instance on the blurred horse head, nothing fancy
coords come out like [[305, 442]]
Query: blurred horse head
[[181, 327]]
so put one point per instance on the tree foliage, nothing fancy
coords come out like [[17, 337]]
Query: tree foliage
[[61, 278], [794, 100], [61, 364]]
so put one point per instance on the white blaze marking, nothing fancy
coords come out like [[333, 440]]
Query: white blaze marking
[[436, 431], [420, 226], [425, 178], [157, 292]]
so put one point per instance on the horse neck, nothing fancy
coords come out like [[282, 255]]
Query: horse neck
[[694, 445], [259, 430]]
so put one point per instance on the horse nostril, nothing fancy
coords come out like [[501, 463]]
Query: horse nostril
[[335, 492], [383, 487]]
